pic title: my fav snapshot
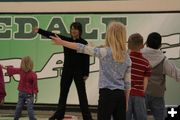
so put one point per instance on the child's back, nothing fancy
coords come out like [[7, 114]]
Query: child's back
[[28, 80], [140, 72]]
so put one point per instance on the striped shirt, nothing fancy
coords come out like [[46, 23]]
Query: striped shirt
[[140, 69]]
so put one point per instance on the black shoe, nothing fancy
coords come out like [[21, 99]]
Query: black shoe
[[54, 118]]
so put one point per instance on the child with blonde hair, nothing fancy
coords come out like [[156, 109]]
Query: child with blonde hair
[[115, 71], [28, 87]]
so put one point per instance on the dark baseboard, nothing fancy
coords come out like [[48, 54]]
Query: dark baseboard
[[51, 107]]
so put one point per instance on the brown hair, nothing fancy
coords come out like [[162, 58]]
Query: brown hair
[[135, 41], [26, 64]]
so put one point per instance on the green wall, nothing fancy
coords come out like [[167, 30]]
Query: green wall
[[17, 40]]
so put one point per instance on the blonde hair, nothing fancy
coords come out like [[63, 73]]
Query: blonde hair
[[116, 40], [135, 41], [26, 64]]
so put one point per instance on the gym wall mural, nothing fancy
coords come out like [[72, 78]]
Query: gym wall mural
[[17, 40]]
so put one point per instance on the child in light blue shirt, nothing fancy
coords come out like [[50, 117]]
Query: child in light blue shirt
[[114, 74]]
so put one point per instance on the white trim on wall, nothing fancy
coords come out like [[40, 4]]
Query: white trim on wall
[[92, 6]]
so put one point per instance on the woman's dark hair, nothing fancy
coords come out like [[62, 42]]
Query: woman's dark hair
[[78, 26], [154, 40]]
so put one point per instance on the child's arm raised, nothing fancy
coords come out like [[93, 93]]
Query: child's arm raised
[[58, 41], [3, 67], [145, 83], [11, 70]]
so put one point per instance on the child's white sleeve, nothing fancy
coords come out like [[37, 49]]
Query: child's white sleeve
[[98, 52], [171, 70], [127, 78]]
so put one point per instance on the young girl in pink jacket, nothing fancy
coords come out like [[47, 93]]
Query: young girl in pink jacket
[[27, 87]]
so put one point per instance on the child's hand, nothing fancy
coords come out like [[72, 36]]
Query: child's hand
[[2, 102], [126, 106], [91, 44], [3, 67], [35, 98], [56, 39], [85, 77]]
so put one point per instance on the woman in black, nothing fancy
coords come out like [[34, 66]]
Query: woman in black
[[75, 67]]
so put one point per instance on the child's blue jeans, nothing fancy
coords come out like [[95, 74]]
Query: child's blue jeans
[[28, 99], [136, 108], [157, 107]]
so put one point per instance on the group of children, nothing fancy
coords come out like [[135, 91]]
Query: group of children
[[128, 82], [27, 87], [148, 71], [143, 78]]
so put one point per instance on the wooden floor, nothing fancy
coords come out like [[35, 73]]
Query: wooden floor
[[44, 115]]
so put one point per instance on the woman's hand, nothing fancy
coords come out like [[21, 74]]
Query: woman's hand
[[35, 30]]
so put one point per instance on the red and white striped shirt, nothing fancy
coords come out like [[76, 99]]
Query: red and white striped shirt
[[140, 69]]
